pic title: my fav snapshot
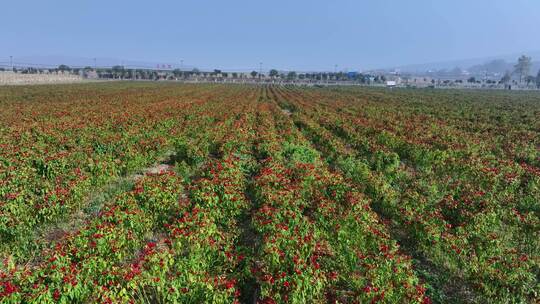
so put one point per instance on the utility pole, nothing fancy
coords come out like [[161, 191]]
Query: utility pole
[[182, 67], [121, 76], [260, 70], [11, 62], [95, 65]]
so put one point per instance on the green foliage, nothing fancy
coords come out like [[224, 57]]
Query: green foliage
[[295, 153]]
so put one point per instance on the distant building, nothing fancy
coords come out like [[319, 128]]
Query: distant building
[[352, 75], [89, 74], [391, 83]]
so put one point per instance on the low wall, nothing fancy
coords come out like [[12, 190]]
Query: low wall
[[10, 78]]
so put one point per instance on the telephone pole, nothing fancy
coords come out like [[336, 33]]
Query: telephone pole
[[260, 70], [11, 62], [181, 68]]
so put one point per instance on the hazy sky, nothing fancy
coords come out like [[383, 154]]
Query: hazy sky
[[303, 35]]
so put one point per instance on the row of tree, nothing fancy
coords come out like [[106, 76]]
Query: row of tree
[[522, 68], [119, 72]]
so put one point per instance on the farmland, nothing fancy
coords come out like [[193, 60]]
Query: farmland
[[158, 193]]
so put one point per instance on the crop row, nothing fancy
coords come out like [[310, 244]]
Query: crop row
[[449, 208], [161, 193]]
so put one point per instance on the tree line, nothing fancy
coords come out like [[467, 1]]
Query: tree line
[[522, 69]]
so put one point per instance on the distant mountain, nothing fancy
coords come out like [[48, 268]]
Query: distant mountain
[[51, 61], [495, 64], [500, 66]]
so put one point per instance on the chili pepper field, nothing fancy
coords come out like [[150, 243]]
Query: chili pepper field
[[181, 193]]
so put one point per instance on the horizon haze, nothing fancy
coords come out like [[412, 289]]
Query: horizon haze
[[304, 35]]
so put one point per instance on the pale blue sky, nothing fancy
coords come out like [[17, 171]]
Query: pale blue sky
[[303, 35]]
